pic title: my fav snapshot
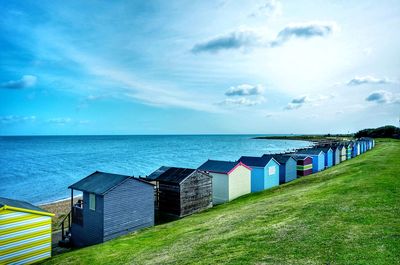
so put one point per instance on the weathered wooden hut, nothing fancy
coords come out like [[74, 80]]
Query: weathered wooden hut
[[25, 232], [287, 168], [318, 157], [336, 154], [304, 164], [182, 191], [264, 172], [230, 179], [111, 205]]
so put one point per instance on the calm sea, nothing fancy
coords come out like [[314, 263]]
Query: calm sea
[[39, 169]]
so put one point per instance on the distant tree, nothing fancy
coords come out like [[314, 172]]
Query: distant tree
[[388, 131]]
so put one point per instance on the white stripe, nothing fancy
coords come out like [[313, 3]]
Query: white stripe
[[26, 222], [30, 259], [25, 241], [27, 231], [12, 215], [24, 251]]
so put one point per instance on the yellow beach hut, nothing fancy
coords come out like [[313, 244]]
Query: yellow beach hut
[[25, 232]]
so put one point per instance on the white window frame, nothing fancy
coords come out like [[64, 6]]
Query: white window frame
[[92, 201]]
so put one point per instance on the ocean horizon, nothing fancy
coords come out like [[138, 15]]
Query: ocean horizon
[[39, 169]]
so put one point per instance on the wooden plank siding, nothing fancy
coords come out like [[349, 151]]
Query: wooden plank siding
[[128, 207], [196, 193]]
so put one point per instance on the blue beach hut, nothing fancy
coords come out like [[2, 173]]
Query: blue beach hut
[[264, 173], [349, 149], [287, 168], [328, 156], [318, 157], [356, 149]]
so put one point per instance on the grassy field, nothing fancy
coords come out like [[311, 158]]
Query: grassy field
[[349, 214]]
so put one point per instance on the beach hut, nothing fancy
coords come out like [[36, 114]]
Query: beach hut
[[182, 191], [230, 179], [343, 152], [25, 232], [356, 149], [328, 156], [336, 154], [349, 149], [304, 164], [264, 172], [318, 157], [111, 205], [287, 168]]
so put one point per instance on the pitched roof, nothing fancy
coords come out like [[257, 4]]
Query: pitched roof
[[324, 149], [4, 202], [311, 151], [282, 159], [171, 174], [218, 166], [298, 156], [101, 182], [254, 161]]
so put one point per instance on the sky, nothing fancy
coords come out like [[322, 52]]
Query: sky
[[198, 67]]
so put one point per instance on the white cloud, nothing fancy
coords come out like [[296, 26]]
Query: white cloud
[[362, 80], [270, 8], [245, 90], [25, 82], [60, 121], [383, 97], [299, 102], [242, 101], [249, 38], [305, 30], [16, 119]]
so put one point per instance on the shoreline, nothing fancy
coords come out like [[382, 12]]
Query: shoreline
[[314, 138]]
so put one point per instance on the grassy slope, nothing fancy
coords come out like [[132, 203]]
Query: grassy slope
[[348, 214]]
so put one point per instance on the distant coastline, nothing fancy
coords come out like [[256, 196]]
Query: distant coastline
[[315, 138]]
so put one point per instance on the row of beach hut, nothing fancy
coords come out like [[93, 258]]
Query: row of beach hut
[[113, 205]]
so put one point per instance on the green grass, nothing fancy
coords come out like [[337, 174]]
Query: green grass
[[349, 214]]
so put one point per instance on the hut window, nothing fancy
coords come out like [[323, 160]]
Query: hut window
[[92, 201], [271, 170]]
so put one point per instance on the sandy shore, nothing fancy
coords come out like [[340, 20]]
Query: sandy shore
[[60, 208]]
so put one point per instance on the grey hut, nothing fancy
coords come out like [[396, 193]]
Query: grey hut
[[112, 205], [182, 191]]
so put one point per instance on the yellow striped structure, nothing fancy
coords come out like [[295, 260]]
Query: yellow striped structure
[[25, 235]]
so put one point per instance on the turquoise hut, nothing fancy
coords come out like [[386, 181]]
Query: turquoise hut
[[349, 149], [264, 173]]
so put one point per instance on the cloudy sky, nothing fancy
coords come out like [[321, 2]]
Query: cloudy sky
[[176, 67]]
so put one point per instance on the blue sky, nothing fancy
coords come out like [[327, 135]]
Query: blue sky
[[177, 67]]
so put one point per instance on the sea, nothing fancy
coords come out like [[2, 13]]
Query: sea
[[39, 169]]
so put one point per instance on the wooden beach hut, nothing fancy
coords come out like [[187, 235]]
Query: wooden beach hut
[[303, 164], [287, 168], [343, 152], [328, 156], [336, 154], [25, 232], [318, 157], [356, 149], [182, 191], [264, 172], [349, 150], [230, 179], [112, 205]]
